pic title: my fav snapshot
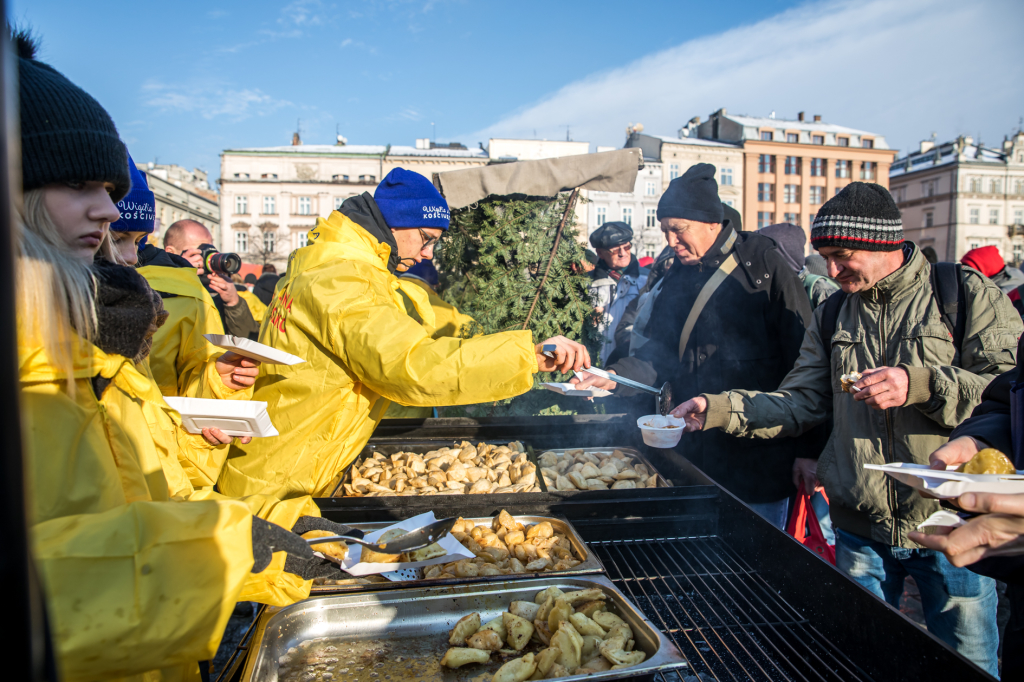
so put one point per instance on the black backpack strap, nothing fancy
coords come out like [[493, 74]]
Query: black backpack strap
[[948, 288], [829, 319]]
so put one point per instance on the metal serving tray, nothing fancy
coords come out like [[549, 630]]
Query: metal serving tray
[[402, 634], [632, 452], [590, 563]]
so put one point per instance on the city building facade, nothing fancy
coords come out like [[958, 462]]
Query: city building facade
[[959, 195], [181, 194]]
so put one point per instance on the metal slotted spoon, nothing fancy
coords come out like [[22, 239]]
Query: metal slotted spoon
[[414, 539]]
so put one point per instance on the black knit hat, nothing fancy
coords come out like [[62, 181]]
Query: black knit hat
[[66, 136], [862, 216], [610, 235], [693, 196]]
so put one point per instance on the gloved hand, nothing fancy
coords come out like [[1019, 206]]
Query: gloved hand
[[268, 538], [308, 523]]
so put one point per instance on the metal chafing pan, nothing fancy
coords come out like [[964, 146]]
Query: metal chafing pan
[[632, 452], [590, 563], [402, 634]]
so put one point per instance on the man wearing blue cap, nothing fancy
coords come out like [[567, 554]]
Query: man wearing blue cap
[[342, 309]]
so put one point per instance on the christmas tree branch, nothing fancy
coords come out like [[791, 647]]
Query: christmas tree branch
[[570, 206]]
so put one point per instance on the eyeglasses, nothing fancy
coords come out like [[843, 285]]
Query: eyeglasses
[[428, 241], [622, 249]]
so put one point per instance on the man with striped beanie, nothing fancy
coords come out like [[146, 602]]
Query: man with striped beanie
[[925, 341]]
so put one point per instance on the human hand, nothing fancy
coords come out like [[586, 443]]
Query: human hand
[[805, 475], [954, 453], [694, 412], [237, 372], [225, 289], [883, 387], [999, 532], [195, 257], [594, 381], [217, 437], [569, 356]]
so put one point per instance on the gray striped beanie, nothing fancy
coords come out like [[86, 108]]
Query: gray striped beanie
[[862, 216]]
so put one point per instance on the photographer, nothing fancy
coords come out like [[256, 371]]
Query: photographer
[[194, 243]]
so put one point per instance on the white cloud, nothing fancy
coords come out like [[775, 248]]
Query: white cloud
[[901, 69], [212, 101]]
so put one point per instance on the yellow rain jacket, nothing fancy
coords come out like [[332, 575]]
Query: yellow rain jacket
[[137, 579], [339, 308], [256, 306]]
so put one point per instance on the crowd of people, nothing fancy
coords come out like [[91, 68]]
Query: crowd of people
[[146, 536]]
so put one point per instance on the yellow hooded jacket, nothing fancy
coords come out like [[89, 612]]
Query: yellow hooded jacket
[[256, 306], [339, 308]]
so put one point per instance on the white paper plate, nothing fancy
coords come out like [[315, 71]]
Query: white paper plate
[[455, 551], [949, 484], [567, 389], [253, 350], [233, 417]]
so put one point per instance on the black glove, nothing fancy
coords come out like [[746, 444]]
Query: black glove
[[308, 523], [268, 538]]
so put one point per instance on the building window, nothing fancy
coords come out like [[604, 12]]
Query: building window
[[627, 216], [241, 242], [767, 135], [928, 216], [817, 139], [791, 218], [242, 205], [975, 184], [792, 165], [843, 141], [973, 244], [867, 170], [241, 176], [816, 195], [811, 217], [367, 178], [993, 216], [338, 201], [1018, 252], [268, 176], [269, 206], [652, 217], [269, 241], [649, 252], [766, 163], [649, 189], [728, 202], [1018, 216], [996, 186], [1018, 187], [793, 137], [842, 169], [975, 216], [602, 215], [299, 239], [305, 205], [867, 144], [339, 178], [791, 195], [765, 191], [899, 194], [928, 188], [765, 218], [726, 174], [838, 190], [817, 168], [673, 171]]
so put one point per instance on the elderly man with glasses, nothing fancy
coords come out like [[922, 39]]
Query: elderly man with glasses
[[616, 280]]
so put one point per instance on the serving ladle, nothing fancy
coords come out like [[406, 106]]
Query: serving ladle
[[414, 539]]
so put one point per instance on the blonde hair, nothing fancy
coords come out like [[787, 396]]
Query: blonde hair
[[55, 290]]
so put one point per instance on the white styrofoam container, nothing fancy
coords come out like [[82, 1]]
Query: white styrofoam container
[[665, 434], [233, 417], [950, 484], [253, 349]]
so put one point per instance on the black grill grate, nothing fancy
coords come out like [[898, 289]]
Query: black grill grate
[[728, 623]]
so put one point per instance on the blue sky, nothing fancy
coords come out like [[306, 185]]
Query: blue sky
[[185, 80]]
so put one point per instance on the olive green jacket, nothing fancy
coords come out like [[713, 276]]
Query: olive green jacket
[[896, 323]]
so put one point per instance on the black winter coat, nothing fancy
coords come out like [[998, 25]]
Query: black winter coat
[[747, 337]]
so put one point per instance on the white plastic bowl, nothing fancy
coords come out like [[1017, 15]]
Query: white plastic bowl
[[661, 431]]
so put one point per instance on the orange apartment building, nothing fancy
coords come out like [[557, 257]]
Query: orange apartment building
[[790, 168]]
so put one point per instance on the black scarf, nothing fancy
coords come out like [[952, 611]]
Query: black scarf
[[363, 211], [603, 270]]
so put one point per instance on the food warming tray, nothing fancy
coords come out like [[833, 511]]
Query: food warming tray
[[402, 634], [590, 562], [632, 452]]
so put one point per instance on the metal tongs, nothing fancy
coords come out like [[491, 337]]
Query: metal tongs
[[663, 395], [414, 539]]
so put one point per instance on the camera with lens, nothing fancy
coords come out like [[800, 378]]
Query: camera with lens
[[225, 264]]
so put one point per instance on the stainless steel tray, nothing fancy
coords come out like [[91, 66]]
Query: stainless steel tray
[[590, 563], [402, 634], [632, 452]]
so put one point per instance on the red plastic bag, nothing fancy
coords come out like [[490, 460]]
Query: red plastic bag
[[803, 516]]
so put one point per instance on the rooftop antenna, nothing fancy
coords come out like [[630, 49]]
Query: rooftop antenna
[[433, 132], [567, 138]]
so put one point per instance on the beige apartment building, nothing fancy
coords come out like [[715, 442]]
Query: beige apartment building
[[181, 194], [272, 196], [960, 195], [790, 168]]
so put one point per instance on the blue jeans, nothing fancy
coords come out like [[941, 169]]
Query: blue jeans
[[775, 513], [959, 606], [820, 507]]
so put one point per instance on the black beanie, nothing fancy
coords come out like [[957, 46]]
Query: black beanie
[[693, 196], [66, 136], [862, 216]]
